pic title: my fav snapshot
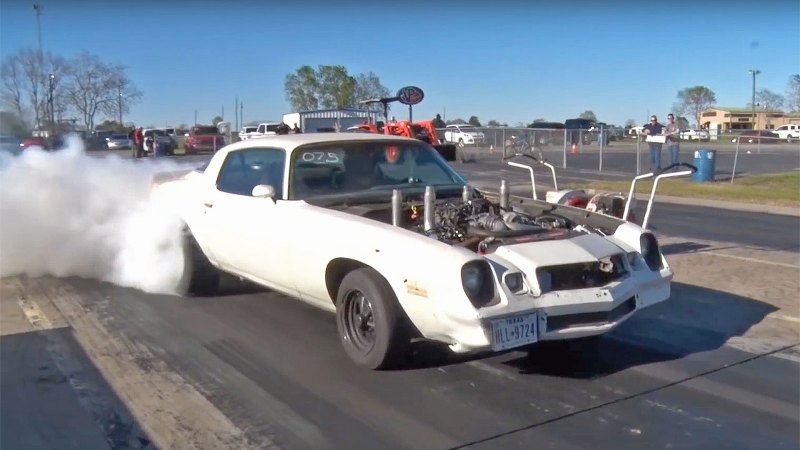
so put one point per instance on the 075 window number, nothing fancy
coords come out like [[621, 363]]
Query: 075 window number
[[321, 157]]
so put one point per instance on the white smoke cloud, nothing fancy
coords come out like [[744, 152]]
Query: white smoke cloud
[[66, 213]]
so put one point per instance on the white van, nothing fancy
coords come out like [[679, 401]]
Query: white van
[[788, 132]]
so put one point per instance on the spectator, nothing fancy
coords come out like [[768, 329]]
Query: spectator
[[282, 129], [673, 133], [438, 122], [138, 143], [653, 129], [296, 129]]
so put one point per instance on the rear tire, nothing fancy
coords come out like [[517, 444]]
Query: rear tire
[[200, 277], [370, 321]]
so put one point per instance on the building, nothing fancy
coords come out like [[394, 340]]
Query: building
[[719, 119], [329, 120]]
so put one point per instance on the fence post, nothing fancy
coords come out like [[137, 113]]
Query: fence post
[[564, 164], [735, 159], [602, 144], [504, 144], [638, 154]]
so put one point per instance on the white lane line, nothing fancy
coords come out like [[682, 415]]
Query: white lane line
[[34, 314], [492, 370], [748, 259]]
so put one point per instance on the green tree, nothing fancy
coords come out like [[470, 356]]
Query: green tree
[[692, 101], [630, 123], [301, 89], [474, 121], [493, 123], [588, 114], [539, 120], [332, 87], [682, 122], [458, 121], [793, 93]]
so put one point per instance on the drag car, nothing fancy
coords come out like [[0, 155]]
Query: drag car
[[384, 233]]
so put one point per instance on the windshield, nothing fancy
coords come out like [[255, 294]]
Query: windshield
[[351, 167]]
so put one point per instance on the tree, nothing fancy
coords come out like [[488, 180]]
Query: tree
[[539, 120], [332, 87], [588, 114], [793, 93], [473, 120], [630, 123], [458, 121], [336, 88], [12, 124], [682, 122], [368, 86], [301, 89], [767, 100], [493, 123], [122, 95], [693, 101], [216, 120]]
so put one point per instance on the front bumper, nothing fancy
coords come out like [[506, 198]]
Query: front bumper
[[560, 315]]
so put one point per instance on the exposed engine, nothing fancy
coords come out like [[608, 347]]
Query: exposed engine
[[483, 225]]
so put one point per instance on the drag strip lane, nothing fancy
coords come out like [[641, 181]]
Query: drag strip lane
[[274, 367]]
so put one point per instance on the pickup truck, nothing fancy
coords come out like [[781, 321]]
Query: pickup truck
[[462, 135], [203, 138], [265, 129], [788, 132], [247, 132]]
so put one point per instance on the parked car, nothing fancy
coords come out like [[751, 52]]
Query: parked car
[[695, 135], [788, 132], [165, 142], [34, 141], [381, 231], [118, 142], [202, 138], [757, 137], [463, 134], [581, 131], [10, 144]]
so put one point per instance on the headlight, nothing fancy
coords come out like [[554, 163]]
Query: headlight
[[650, 251], [514, 282], [476, 278]]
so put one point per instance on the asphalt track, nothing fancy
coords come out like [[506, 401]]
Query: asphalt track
[[275, 368]]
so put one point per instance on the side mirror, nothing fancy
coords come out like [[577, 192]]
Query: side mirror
[[264, 191]]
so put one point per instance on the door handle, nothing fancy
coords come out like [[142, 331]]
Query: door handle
[[208, 205]]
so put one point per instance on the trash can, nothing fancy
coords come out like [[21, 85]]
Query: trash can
[[704, 160]]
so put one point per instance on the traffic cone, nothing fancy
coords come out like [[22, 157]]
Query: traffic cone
[[491, 149], [574, 150]]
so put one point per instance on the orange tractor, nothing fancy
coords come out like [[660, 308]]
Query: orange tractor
[[422, 130]]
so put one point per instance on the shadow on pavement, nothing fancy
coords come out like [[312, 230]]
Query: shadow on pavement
[[54, 397]]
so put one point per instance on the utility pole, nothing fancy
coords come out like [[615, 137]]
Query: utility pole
[[119, 103], [38, 8], [50, 104], [223, 112], [241, 113], [195, 117], [754, 72], [236, 114]]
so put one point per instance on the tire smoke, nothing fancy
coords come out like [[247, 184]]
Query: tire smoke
[[65, 213]]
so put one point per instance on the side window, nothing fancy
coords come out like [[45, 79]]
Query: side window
[[243, 170]]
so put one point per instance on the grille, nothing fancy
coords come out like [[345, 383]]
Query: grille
[[593, 318], [582, 275]]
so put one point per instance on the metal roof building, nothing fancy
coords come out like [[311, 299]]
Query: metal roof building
[[330, 120]]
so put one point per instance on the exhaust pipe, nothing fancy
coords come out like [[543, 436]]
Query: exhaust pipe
[[504, 195], [428, 206], [465, 193], [397, 207]]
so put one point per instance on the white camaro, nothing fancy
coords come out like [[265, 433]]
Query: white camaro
[[382, 231]]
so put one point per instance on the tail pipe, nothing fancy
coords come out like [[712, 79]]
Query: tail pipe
[[397, 207], [504, 194], [428, 207]]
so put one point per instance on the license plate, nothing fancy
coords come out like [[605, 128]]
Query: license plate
[[514, 331]]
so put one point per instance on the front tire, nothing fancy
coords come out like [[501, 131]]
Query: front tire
[[370, 321]]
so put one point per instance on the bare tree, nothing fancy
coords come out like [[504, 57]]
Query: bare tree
[[693, 101], [793, 93], [588, 114], [12, 79], [368, 86], [122, 95], [91, 87], [26, 83]]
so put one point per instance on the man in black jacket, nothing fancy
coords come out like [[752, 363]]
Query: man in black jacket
[[654, 129]]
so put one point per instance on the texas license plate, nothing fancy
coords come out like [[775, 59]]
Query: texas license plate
[[510, 332]]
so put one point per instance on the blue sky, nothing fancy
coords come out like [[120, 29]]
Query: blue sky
[[511, 61]]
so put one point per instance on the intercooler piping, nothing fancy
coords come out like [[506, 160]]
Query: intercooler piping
[[428, 207], [397, 207]]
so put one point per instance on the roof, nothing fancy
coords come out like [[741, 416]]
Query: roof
[[741, 110], [292, 141], [334, 113]]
